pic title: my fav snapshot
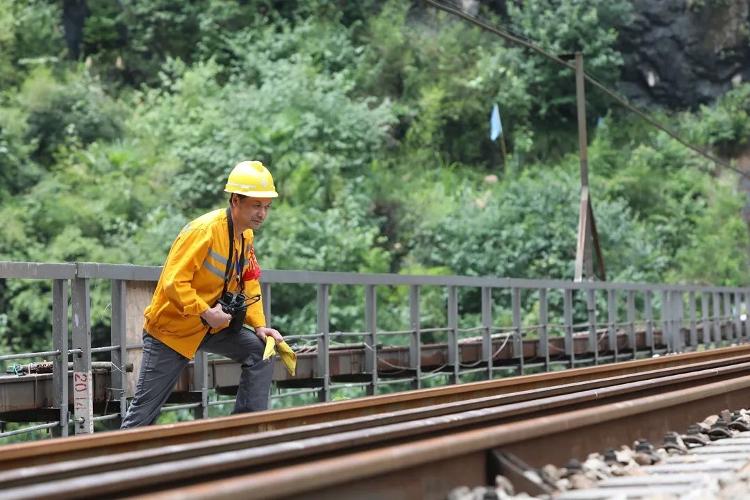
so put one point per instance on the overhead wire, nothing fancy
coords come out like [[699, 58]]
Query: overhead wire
[[520, 40]]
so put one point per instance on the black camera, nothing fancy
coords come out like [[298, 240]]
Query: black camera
[[234, 305]]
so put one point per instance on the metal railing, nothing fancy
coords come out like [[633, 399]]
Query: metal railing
[[671, 311]]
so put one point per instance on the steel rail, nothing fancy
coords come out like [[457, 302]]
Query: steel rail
[[428, 468], [41, 452], [189, 464]]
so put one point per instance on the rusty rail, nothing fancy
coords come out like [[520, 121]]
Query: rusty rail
[[430, 467], [41, 452], [271, 453]]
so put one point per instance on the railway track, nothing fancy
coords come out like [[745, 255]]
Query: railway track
[[42, 452], [417, 444]]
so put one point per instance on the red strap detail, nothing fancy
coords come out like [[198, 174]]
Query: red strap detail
[[251, 274], [253, 270]]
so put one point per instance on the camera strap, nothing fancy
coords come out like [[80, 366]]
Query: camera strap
[[230, 259], [231, 262]]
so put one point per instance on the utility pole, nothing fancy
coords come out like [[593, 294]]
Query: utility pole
[[504, 152], [588, 238]]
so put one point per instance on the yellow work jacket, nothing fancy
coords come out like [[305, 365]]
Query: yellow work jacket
[[192, 279]]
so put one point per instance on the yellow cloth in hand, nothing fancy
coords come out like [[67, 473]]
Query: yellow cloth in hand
[[285, 352], [270, 349], [288, 357]]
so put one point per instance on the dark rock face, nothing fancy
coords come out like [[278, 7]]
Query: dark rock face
[[682, 53]]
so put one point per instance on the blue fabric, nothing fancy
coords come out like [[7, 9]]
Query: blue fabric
[[496, 126]]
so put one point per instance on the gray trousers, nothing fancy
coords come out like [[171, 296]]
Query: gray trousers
[[161, 367]]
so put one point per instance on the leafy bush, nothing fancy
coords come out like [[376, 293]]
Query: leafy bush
[[30, 34], [726, 125], [526, 228], [282, 122], [64, 108]]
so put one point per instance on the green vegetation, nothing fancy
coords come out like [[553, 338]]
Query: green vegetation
[[373, 118]]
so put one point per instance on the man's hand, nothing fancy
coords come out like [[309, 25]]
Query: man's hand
[[262, 332], [215, 317]]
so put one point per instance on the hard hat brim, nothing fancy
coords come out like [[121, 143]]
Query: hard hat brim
[[254, 194]]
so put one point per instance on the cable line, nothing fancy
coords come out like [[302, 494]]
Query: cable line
[[621, 100]]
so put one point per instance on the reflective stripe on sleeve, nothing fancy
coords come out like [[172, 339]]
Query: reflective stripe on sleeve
[[213, 269], [217, 257]]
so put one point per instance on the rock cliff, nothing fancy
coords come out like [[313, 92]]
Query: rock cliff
[[682, 53]]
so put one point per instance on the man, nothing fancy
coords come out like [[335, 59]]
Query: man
[[211, 259]]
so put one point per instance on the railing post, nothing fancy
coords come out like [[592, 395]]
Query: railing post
[[678, 308], [371, 345], [60, 343], [515, 300], [119, 357], [746, 296], [265, 293], [454, 356], [671, 315], [543, 327], [693, 322], [568, 326], [729, 315], [82, 394], [200, 383], [705, 310], [323, 366], [415, 345], [632, 345], [666, 333], [717, 319], [727, 318], [487, 349], [611, 322], [591, 309], [649, 312], [736, 317]]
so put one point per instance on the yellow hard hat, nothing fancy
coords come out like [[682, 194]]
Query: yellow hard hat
[[251, 178]]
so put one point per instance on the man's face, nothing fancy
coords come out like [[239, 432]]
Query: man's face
[[251, 212]]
